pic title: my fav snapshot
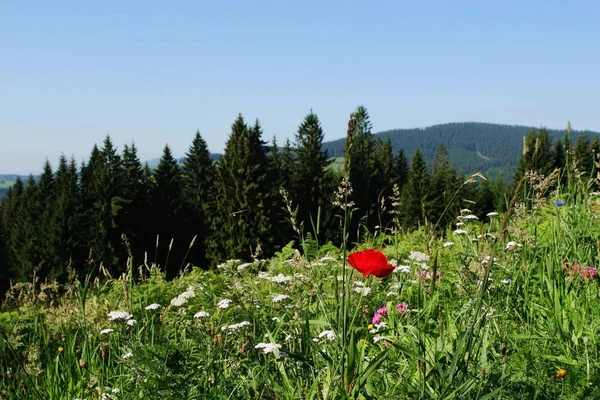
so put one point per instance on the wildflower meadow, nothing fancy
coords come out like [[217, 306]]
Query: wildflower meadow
[[500, 308]]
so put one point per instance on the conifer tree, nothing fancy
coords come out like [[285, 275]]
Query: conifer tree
[[63, 213], [401, 169], [135, 219], [309, 173], [241, 223], [582, 157], [415, 192], [442, 205], [382, 180], [198, 187], [359, 168], [168, 197]]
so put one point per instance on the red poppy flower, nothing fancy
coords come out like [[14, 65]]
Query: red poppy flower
[[371, 262]]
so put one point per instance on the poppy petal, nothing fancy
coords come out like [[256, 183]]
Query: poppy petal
[[371, 262]]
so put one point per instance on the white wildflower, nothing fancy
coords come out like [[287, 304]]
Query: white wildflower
[[486, 260], [363, 291], [116, 390], [389, 294], [492, 214], [377, 338], [280, 297], [235, 327], [327, 259], [448, 244], [512, 245], [418, 256], [224, 303], [506, 281], [358, 283], [329, 335], [153, 306], [393, 262], [281, 278], [471, 217], [106, 331], [244, 266], [201, 314], [465, 211], [276, 319], [460, 232], [268, 347], [402, 268], [131, 322], [119, 316], [127, 356], [459, 224]]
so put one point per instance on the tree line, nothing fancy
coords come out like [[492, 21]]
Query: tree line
[[247, 205]]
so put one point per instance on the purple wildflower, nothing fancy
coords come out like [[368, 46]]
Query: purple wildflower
[[402, 307], [559, 203], [378, 314]]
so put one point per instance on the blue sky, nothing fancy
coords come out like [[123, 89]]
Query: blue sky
[[154, 72]]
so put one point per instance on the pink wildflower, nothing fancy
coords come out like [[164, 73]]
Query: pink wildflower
[[378, 314], [402, 307], [588, 273]]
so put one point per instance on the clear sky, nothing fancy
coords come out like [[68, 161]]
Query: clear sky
[[154, 72]]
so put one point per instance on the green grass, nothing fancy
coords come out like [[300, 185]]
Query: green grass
[[482, 330], [6, 184]]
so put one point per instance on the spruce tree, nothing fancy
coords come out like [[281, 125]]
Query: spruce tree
[[241, 224], [309, 173], [401, 169], [583, 158], [168, 203], [382, 180], [359, 168], [415, 192], [442, 206], [198, 196], [64, 215]]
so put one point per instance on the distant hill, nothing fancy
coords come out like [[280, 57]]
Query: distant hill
[[473, 146], [152, 163]]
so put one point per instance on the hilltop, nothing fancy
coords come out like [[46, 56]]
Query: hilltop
[[472, 146]]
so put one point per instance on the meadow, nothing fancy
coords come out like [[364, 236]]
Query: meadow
[[501, 308]]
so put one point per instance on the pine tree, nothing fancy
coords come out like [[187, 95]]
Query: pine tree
[[382, 180], [64, 216], [309, 173], [241, 223], [442, 205], [583, 158], [401, 169], [359, 168], [415, 192], [168, 203], [198, 196]]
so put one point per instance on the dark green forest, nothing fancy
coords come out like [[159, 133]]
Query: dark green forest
[[492, 149], [259, 196]]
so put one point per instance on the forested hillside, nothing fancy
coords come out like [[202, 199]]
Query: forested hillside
[[472, 146], [258, 197]]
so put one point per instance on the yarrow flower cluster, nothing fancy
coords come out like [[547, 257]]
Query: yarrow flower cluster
[[280, 297], [448, 244], [153, 306], [268, 347], [363, 291], [460, 232], [119, 316], [201, 314], [223, 304], [234, 327], [418, 256], [183, 297], [327, 335], [512, 246], [402, 268]]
